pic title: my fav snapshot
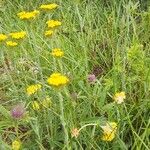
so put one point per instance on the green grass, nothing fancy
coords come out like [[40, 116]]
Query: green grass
[[108, 38]]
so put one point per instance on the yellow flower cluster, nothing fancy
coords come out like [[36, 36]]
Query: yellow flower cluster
[[57, 52], [49, 32], [109, 131], [18, 35], [53, 23], [35, 105], [28, 15], [49, 6], [57, 80], [119, 97], [14, 35], [33, 88], [46, 103], [3, 37], [50, 23], [11, 43], [16, 145]]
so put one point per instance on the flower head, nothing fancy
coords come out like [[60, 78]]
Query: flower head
[[109, 131], [91, 78], [119, 97], [49, 6], [18, 111], [57, 79], [53, 23], [18, 35], [49, 32], [28, 15], [16, 145], [3, 37], [11, 43], [33, 88], [46, 102], [74, 132], [57, 52], [35, 105]]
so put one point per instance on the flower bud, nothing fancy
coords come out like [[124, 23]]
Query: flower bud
[[91, 78], [18, 111]]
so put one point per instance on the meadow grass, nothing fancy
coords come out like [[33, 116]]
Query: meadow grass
[[109, 39]]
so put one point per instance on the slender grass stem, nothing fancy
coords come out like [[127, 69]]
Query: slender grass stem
[[90, 124], [62, 118]]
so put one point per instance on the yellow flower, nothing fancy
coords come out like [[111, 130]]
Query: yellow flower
[[74, 132], [47, 102], [11, 43], [3, 37], [28, 15], [119, 97], [18, 35], [35, 105], [49, 32], [33, 88], [53, 23], [16, 145], [109, 131], [57, 79], [49, 6], [57, 52]]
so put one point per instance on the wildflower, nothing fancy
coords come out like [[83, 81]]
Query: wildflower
[[3, 37], [74, 132], [11, 43], [57, 79], [53, 23], [57, 52], [46, 102], [28, 15], [91, 78], [18, 111], [49, 32], [119, 97], [109, 131], [16, 145], [33, 88], [35, 105], [18, 35], [49, 6]]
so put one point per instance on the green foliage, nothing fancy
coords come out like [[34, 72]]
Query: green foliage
[[107, 38]]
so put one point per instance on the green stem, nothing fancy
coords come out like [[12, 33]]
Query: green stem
[[16, 129], [90, 124], [62, 118]]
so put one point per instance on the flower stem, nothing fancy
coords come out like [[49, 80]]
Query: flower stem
[[62, 118], [90, 124], [16, 129]]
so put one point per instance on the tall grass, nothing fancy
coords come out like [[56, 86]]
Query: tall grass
[[107, 38]]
